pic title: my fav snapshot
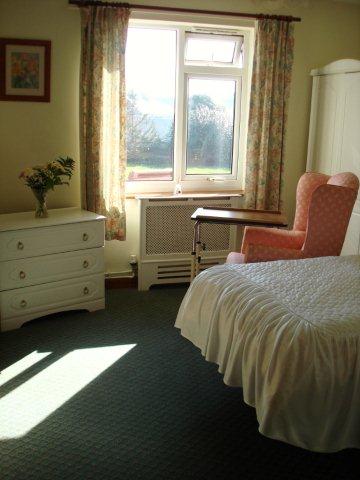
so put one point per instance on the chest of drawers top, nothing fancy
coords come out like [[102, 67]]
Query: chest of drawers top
[[58, 216], [66, 229]]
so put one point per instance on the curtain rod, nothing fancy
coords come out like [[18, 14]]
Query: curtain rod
[[82, 3]]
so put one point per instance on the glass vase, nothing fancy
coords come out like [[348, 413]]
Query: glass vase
[[41, 208]]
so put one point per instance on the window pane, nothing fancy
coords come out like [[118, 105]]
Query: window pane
[[150, 80], [210, 50], [210, 126], [206, 48]]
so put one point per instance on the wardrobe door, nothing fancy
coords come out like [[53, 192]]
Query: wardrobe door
[[324, 135], [349, 158]]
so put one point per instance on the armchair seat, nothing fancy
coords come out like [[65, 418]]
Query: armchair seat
[[235, 257]]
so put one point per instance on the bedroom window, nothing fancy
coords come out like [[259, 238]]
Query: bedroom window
[[186, 106]]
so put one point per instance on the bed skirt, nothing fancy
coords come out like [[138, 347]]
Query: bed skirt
[[288, 333]]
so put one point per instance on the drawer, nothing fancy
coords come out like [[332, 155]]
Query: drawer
[[50, 268], [52, 296], [34, 242]]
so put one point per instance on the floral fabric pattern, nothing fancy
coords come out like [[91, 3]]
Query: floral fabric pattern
[[103, 114], [270, 85]]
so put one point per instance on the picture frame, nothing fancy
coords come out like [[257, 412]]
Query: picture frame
[[25, 70]]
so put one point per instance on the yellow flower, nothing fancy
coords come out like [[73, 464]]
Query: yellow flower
[[28, 172]]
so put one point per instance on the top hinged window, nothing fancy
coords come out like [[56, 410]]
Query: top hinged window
[[214, 49]]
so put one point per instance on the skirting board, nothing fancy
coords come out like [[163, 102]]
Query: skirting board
[[121, 282]]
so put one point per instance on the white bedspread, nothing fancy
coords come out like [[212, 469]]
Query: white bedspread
[[288, 332]]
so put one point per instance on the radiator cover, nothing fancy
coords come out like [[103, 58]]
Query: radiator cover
[[166, 233]]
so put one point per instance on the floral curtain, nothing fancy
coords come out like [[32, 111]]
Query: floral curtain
[[103, 114], [271, 76]]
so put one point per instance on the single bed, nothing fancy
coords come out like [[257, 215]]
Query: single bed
[[288, 333]]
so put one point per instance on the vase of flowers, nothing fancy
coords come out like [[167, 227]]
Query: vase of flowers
[[40, 206], [43, 178]]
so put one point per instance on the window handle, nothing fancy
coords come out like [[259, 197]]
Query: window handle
[[216, 179]]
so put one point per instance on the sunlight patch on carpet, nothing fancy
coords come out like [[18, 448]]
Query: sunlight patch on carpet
[[33, 401], [20, 366]]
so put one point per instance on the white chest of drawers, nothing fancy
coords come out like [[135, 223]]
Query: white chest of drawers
[[50, 265]]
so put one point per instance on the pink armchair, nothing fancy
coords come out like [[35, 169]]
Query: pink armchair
[[323, 208]]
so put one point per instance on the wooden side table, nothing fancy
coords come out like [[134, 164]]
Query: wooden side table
[[232, 216]]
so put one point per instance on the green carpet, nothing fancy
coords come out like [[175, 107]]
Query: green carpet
[[160, 411]]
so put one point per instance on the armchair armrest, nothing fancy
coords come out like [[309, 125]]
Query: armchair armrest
[[272, 237], [265, 253]]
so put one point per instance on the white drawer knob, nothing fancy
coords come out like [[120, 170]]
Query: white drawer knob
[[86, 290], [22, 275], [20, 246], [85, 264], [23, 303], [85, 237]]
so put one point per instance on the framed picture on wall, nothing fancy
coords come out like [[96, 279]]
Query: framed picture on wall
[[25, 70]]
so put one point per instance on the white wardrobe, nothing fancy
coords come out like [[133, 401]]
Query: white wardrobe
[[334, 134]]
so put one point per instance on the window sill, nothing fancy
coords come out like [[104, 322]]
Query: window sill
[[195, 194]]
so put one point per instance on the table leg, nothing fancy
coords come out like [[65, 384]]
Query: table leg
[[195, 250]]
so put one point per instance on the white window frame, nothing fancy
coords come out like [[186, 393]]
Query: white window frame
[[242, 76]]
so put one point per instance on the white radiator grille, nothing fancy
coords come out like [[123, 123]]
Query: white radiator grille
[[169, 229], [181, 272]]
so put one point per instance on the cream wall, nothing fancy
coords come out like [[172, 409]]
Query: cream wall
[[33, 133]]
